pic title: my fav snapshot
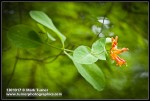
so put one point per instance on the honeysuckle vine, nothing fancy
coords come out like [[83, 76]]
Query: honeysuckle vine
[[83, 57]]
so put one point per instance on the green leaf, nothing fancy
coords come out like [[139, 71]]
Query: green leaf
[[82, 55], [41, 28], [91, 72], [50, 37], [44, 31], [98, 49], [43, 19], [23, 36]]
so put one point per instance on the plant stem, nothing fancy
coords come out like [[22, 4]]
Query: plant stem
[[68, 50], [14, 68], [54, 47], [60, 48]]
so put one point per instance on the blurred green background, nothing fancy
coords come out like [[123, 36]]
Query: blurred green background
[[79, 22]]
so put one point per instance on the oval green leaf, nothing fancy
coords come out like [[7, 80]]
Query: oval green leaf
[[91, 72], [82, 55], [98, 49], [43, 19], [23, 36]]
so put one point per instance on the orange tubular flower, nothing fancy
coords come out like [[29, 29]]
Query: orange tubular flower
[[114, 52]]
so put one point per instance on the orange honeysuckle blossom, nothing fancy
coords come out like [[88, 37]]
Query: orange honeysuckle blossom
[[114, 52]]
